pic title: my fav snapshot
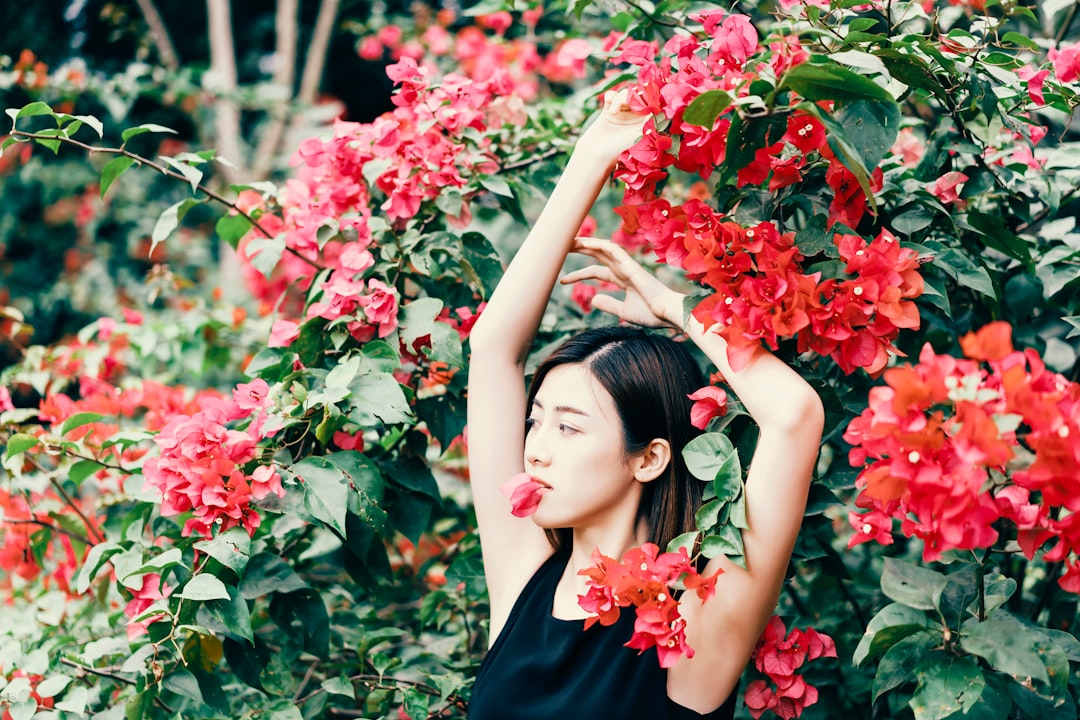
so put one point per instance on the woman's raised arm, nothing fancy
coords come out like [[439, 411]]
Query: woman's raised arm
[[500, 341]]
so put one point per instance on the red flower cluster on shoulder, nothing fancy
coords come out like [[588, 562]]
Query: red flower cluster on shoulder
[[778, 655], [939, 442], [646, 580]]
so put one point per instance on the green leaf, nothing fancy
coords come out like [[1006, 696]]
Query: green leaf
[[265, 253], [98, 556], [183, 683], [728, 542], [870, 126], [469, 569], [378, 399], [947, 685], [1022, 40], [417, 703], [78, 420], [481, 261], [339, 685], [897, 665], [145, 128], [706, 454], [77, 121], [828, 81], [996, 235], [173, 557], [18, 443], [204, 586], [112, 170], [232, 614], [893, 623], [32, 110], [306, 608], [230, 228], [366, 482], [706, 107], [83, 469], [414, 474], [326, 493], [686, 540], [231, 548], [914, 586], [190, 173], [267, 573], [1008, 646], [497, 185], [168, 221], [728, 483], [963, 269]]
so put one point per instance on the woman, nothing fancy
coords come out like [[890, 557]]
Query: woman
[[605, 489]]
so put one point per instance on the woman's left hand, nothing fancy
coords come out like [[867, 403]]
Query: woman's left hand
[[648, 301]]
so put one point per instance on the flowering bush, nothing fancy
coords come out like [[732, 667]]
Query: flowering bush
[[216, 509]]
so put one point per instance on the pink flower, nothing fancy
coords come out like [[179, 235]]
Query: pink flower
[[1066, 62], [151, 591], [132, 317], [710, 402], [908, 147], [106, 327], [945, 188], [5, 399], [1035, 80], [524, 494], [380, 306], [251, 396], [355, 259], [283, 333], [347, 441]]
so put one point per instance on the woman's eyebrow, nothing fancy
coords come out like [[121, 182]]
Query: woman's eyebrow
[[563, 409]]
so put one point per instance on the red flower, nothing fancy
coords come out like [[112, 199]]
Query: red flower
[[524, 494], [710, 402]]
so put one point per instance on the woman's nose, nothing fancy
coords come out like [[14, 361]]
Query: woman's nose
[[536, 452]]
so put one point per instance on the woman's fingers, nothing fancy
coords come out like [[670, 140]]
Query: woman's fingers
[[608, 304], [592, 272]]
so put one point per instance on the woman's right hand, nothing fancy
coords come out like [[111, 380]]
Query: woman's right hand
[[648, 302], [614, 130]]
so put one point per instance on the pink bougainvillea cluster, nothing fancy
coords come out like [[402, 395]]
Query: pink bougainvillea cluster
[[951, 446], [204, 465], [760, 290], [645, 579], [778, 655]]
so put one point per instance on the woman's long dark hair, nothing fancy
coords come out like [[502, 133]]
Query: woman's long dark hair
[[649, 377]]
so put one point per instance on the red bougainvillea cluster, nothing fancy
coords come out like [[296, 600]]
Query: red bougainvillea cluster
[[645, 580], [24, 515], [778, 656], [202, 464], [760, 292], [951, 446]]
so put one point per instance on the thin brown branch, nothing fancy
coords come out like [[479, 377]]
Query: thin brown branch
[[55, 528], [550, 153], [223, 73], [200, 187], [91, 530], [112, 676], [160, 35], [1045, 212], [307, 678]]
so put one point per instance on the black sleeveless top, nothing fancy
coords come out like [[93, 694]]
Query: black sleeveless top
[[542, 668]]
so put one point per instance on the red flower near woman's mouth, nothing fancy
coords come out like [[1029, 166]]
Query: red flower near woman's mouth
[[523, 493]]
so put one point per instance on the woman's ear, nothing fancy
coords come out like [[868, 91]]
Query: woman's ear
[[652, 461]]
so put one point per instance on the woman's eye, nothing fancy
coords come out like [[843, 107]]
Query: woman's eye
[[530, 423], [566, 429]]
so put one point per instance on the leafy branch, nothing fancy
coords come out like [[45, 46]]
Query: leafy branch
[[52, 139]]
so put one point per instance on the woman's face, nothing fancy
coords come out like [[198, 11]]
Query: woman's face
[[574, 445]]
